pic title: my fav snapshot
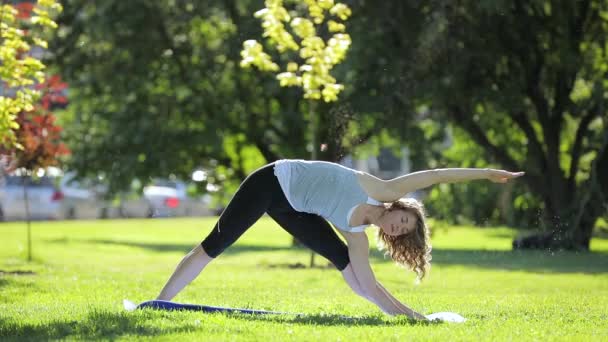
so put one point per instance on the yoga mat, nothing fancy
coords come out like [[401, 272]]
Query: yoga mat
[[170, 306]]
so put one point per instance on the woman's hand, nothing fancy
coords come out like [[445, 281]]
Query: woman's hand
[[502, 176]]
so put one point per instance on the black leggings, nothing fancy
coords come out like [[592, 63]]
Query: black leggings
[[261, 193]]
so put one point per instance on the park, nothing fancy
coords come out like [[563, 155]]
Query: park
[[84, 270], [395, 170]]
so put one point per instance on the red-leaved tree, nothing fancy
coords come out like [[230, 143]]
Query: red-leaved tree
[[38, 135], [39, 141], [35, 141]]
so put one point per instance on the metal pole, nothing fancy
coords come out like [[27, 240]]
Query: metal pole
[[27, 218]]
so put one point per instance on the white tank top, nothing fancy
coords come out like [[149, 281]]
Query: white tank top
[[329, 190]]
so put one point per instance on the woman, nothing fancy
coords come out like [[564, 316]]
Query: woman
[[302, 196]]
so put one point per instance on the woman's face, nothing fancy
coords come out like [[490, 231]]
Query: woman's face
[[397, 222]]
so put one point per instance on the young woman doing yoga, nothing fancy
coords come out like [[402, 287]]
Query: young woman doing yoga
[[302, 196]]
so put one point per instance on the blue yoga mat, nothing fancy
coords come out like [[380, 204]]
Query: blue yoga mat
[[171, 306]]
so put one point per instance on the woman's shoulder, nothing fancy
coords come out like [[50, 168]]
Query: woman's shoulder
[[376, 188], [314, 163], [354, 238]]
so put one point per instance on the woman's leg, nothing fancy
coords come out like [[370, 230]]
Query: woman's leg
[[315, 233], [248, 204], [188, 269]]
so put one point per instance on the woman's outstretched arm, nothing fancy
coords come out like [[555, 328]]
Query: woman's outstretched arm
[[360, 277], [393, 189]]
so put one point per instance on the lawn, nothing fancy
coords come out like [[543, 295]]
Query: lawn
[[82, 270]]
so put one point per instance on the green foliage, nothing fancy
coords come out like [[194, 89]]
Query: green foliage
[[163, 80], [504, 295], [158, 93], [478, 202], [19, 70], [465, 203], [314, 57], [529, 101], [166, 85]]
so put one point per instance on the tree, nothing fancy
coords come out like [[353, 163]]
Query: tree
[[19, 31], [30, 138], [299, 40], [525, 81], [317, 56], [161, 92], [158, 90]]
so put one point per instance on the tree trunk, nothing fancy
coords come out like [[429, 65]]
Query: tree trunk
[[313, 156], [587, 204], [576, 239], [27, 218], [581, 236], [505, 203], [564, 229]]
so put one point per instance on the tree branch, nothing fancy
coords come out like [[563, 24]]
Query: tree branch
[[268, 154], [578, 26], [536, 148], [532, 63], [563, 87], [164, 33], [478, 135], [476, 132], [593, 188], [576, 151], [282, 135]]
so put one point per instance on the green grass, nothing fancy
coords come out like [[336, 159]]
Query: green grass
[[83, 270]]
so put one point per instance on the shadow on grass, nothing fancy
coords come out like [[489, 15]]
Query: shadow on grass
[[529, 261], [17, 272], [96, 325], [330, 320], [320, 265], [176, 247], [501, 235], [18, 280], [114, 325]]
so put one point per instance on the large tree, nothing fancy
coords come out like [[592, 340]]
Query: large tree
[[524, 79], [156, 88], [22, 27], [29, 138]]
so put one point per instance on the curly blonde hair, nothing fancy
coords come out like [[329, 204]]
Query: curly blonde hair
[[411, 250]]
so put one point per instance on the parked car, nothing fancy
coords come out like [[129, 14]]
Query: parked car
[[83, 199], [44, 198], [163, 198]]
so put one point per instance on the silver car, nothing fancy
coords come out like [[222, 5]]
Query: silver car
[[83, 199], [45, 199], [163, 198]]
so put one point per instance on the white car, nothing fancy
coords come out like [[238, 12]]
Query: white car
[[160, 199], [83, 199], [163, 198], [44, 198]]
